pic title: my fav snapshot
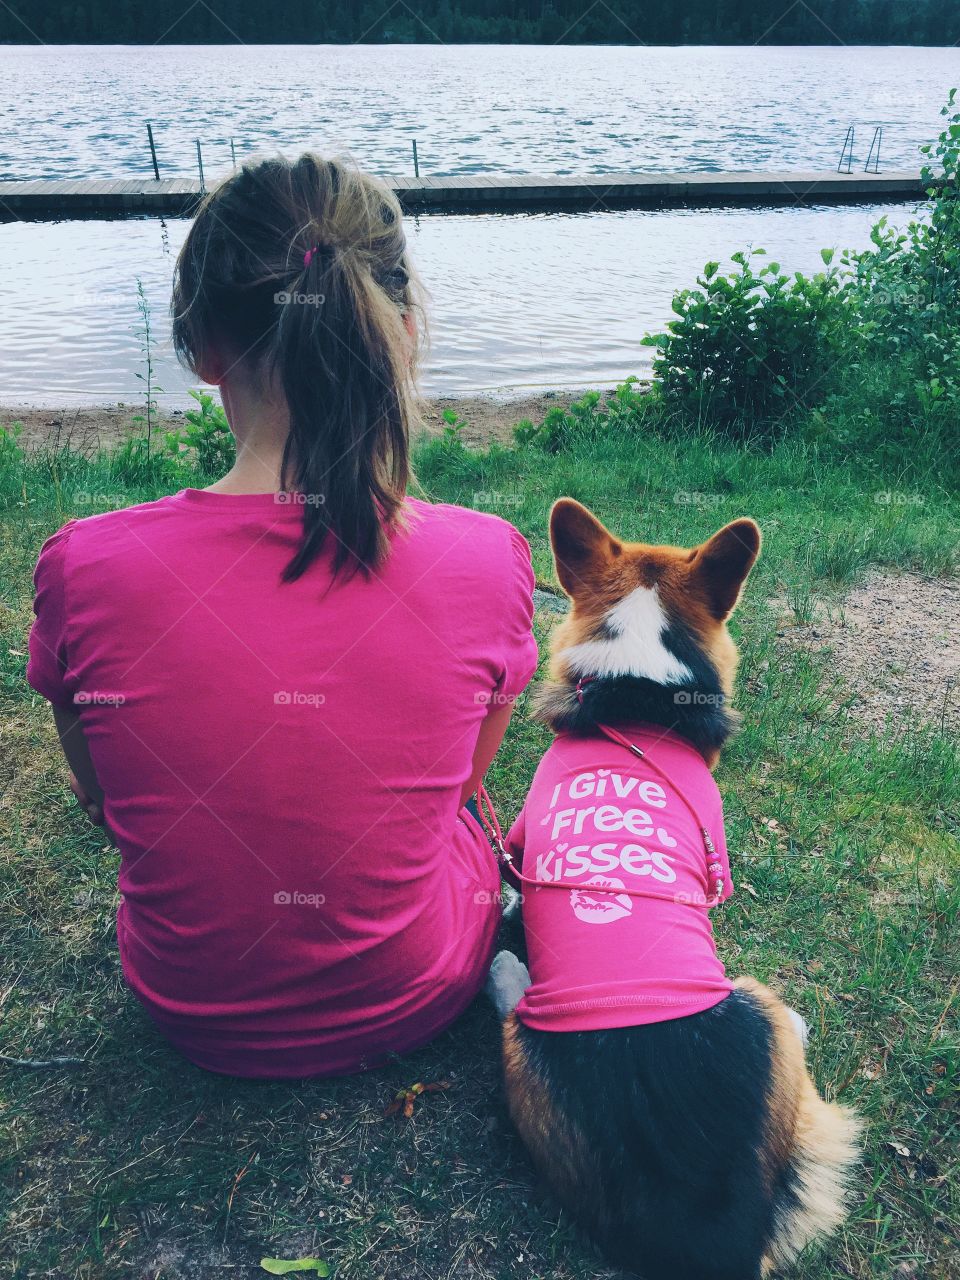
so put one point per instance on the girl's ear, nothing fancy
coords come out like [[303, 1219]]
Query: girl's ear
[[212, 368], [721, 565], [582, 547]]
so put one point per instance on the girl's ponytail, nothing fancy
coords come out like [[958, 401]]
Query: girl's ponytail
[[301, 269]]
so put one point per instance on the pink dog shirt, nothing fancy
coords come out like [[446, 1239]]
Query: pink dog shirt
[[599, 818]]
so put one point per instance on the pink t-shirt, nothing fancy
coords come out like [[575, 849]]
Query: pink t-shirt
[[599, 818], [282, 763]]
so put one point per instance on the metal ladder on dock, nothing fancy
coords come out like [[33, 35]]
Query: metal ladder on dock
[[873, 155]]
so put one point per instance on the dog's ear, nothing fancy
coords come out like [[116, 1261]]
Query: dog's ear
[[721, 565], [582, 547]]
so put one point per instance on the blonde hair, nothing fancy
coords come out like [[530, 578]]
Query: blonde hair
[[300, 270]]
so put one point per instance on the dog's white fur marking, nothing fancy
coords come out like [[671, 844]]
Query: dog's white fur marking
[[507, 981], [637, 647], [799, 1025]]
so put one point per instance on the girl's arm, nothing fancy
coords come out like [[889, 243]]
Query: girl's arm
[[488, 743], [83, 776]]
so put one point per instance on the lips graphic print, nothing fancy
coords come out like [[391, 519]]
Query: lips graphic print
[[600, 908]]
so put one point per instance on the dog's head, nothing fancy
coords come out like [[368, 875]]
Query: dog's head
[[648, 625]]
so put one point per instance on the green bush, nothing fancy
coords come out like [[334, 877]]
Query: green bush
[[748, 348], [10, 450], [135, 463], [207, 439]]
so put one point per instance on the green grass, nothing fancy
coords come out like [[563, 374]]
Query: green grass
[[139, 1165]]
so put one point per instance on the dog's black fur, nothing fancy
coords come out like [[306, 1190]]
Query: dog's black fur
[[675, 1112], [696, 709]]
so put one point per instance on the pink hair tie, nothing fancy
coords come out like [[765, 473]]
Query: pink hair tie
[[308, 256]]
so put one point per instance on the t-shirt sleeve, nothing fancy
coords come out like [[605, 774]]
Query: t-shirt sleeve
[[47, 664], [519, 647]]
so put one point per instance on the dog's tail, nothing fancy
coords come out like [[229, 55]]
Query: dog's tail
[[812, 1146]]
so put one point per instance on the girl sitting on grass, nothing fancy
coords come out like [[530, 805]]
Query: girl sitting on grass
[[279, 692]]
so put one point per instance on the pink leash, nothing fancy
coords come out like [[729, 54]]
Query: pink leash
[[491, 824]]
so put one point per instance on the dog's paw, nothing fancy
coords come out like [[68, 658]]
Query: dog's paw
[[509, 902], [506, 982]]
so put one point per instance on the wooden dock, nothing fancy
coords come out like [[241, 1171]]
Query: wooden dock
[[487, 192]]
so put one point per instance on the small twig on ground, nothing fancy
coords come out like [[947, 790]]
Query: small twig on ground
[[254, 1159], [42, 1064]]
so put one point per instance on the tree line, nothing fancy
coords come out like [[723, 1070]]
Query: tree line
[[933, 22]]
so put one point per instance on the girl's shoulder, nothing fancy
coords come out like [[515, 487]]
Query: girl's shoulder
[[445, 518], [483, 541], [97, 535], [86, 533]]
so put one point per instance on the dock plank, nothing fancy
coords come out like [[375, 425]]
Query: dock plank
[[60, 197]]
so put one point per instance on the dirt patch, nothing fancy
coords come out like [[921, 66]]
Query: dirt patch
[[84, 429], [894, 642], [92, 427]]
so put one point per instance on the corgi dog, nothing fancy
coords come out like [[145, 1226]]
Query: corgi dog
[[669, 1109]]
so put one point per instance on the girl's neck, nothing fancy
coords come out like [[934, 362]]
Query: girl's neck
[[260, 424]]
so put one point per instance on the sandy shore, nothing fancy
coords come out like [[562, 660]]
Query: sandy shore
[[90, 427]]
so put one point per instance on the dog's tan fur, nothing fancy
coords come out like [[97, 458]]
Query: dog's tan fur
[[559, 1150], [815, 1140], [820, 1138]]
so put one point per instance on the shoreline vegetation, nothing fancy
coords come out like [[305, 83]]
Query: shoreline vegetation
[[827, 408], [487, 417], [733, 22]]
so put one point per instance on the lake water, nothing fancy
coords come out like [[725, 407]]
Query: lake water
[[80, 111], [517, 301]]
